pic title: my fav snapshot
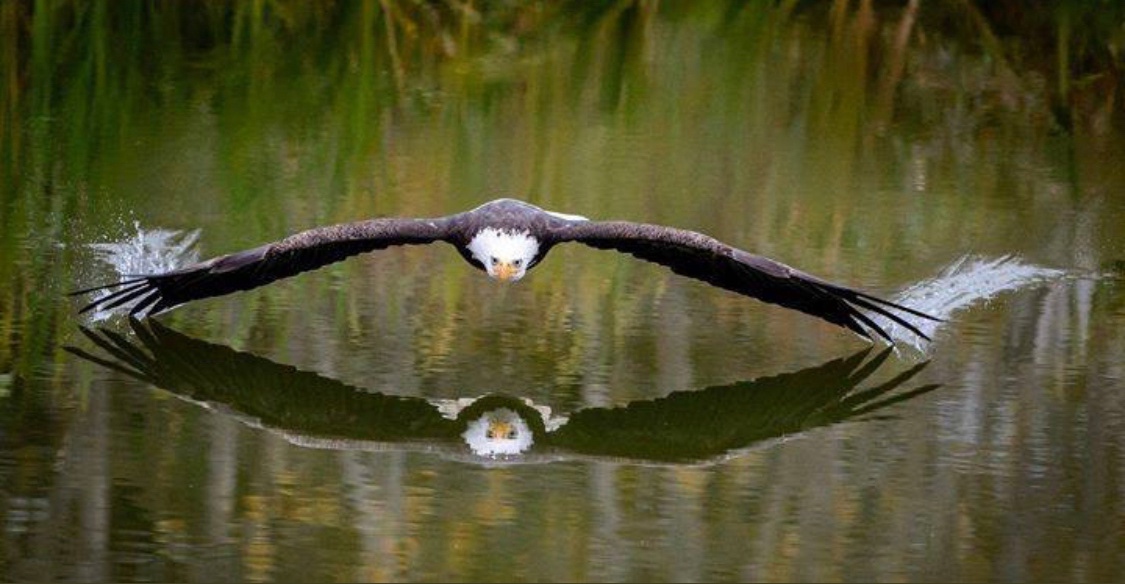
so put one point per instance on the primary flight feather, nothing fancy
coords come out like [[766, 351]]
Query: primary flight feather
[[506, 238]]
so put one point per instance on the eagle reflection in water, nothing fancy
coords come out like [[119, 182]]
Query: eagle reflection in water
[[314, 411]]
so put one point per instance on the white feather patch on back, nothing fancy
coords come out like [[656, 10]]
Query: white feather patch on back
[[505, 245]]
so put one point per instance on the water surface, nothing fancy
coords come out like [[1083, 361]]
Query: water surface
[[314, 430]]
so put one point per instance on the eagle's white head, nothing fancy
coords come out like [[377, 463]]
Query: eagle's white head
[[506, 255]]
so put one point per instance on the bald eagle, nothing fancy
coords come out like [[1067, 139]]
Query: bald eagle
[[506, 238]]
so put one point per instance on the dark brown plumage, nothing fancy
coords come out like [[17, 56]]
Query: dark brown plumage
[[685, 252]]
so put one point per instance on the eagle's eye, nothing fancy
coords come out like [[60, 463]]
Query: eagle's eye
[[489, 434], [517, 263], [495, 261], [511, 435]]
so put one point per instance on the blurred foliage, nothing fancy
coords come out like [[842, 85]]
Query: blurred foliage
[[378, 52]]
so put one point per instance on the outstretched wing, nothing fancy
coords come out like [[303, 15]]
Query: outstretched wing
[[704, 423], [251, 268], [704, 258], [281, 397]]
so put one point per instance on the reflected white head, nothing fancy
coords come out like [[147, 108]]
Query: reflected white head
[[506, 255], [499, 432]]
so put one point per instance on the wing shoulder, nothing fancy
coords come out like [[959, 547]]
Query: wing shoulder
[[371, 233], [682, 250]]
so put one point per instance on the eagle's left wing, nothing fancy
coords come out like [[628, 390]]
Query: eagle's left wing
[[704, 258]]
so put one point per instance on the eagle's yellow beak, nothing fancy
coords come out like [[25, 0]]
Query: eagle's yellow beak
[[499, 430], [504, 271]]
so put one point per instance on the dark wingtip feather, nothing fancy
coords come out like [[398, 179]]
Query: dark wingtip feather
[[866, 320], [103, 362], [132, 280], [897, 306], [144, 303], [161, 305], [867, 369], [854, 298], [125, 298], [116, 298], [97, 302], [847, 303], [864, 303]]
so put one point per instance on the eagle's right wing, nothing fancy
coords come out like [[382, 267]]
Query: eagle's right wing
[[261, 265]]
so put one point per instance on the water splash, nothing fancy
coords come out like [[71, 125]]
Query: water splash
[[145, 252], [966, 282]]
